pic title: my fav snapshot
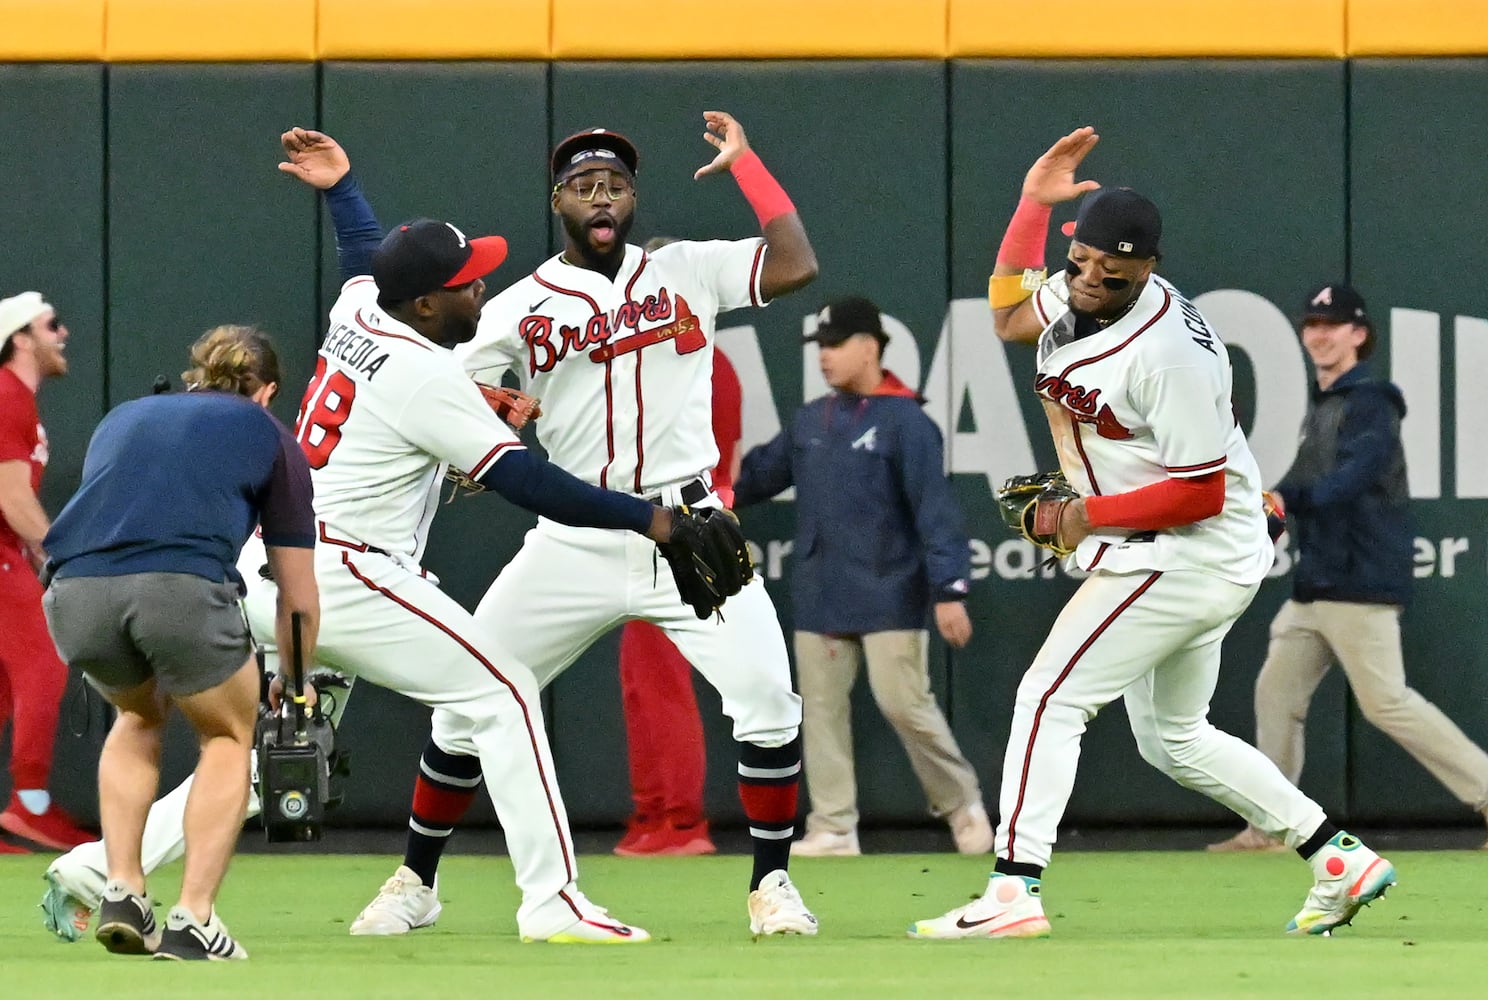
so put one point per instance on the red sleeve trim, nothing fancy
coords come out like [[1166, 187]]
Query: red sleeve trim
[[1190, 470], [756, 274], [1168, 504], [490, 458]]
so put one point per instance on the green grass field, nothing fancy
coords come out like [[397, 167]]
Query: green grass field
[[1183, 925]]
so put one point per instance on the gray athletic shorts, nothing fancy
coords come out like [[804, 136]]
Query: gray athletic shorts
[[120, 631]]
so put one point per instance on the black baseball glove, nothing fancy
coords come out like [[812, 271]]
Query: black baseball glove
[[709, 558], [1033, 506]]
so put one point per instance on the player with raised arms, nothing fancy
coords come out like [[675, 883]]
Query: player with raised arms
[[1168, 522], [618, 342]]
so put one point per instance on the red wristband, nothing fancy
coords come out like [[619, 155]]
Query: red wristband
[[1023, 246], [763, 192]]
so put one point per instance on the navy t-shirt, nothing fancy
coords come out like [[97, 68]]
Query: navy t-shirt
[[175, 483]]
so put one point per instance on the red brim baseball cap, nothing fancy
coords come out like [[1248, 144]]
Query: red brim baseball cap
[[486, 254], [426, 255]]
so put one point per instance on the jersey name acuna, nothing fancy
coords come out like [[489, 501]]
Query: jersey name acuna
[[623, 368], [1147, 398]]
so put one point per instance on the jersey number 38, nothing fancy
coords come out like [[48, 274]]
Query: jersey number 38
[[324, 409]]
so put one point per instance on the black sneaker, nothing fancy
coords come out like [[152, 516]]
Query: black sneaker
[[185, 939], [126, 923]]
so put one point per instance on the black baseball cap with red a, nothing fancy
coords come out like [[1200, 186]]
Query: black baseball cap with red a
[[426, 255]]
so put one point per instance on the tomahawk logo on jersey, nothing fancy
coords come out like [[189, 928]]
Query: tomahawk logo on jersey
[[633, 410], [384, 415], [1146, 398]]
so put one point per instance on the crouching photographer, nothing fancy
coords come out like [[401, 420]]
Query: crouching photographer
[[144, 600]]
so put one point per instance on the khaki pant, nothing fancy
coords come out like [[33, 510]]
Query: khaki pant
[[899, 676], [1365, 639]]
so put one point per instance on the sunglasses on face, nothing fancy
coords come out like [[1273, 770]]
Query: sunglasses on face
[[587, 188], [1113, 284]]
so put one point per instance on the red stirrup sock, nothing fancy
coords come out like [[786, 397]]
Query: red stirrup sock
[[446, 787]]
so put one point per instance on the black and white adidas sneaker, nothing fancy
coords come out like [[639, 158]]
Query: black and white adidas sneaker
[[186, 939], [126, 922]]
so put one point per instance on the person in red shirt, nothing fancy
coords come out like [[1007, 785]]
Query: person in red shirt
[[32, 676], [663, 730]]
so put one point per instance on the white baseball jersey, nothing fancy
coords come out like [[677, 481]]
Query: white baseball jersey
[[1146, 398], [386, 413], [624, 368]]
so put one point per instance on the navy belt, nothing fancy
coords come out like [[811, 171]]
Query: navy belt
[[694, 492]]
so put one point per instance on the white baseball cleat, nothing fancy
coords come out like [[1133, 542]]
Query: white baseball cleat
[[73, 893], [594, 925], [1349, 877], [776, 907], [1010, 908], [403, 903]]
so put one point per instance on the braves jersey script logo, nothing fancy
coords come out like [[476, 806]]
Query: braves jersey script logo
[[602, 331], [1083, 405]]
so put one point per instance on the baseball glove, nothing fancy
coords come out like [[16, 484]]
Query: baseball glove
[[512, 405], [1275, 513], [708, 556], [1033, 506]]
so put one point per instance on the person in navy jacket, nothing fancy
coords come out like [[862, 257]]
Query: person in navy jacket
[[879, 544]]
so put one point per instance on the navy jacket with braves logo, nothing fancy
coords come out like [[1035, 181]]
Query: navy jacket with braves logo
[[879, 535]]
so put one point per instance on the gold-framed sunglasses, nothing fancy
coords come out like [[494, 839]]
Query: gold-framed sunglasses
[[587, 187]]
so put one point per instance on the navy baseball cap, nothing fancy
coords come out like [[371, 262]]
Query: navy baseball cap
[[599, 144], [1337, 302], [1118, 221], [426, 255], [845, 317]]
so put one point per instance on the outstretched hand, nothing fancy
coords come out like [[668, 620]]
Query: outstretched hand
[[314, 157], [1051, 179], [727, 136]]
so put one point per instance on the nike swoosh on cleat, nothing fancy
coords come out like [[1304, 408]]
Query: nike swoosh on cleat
[[967, 925]]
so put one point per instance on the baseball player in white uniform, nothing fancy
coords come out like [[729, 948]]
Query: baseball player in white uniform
[[1169, 525], [388, 410], [618, 343]]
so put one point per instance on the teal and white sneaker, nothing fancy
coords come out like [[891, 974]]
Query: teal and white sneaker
[[73, 893], [1012, 907], [1349, 877]]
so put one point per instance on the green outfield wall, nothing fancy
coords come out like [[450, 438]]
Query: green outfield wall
[[143, 200]]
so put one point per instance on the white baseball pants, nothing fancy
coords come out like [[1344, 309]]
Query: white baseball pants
[[1153, 638], [386, 622], [569, 586]]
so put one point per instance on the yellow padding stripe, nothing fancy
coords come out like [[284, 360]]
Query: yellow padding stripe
[[747, 29], [1155, 28], [51, 30], [450, 29], [210, 30], [1417, 27]]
